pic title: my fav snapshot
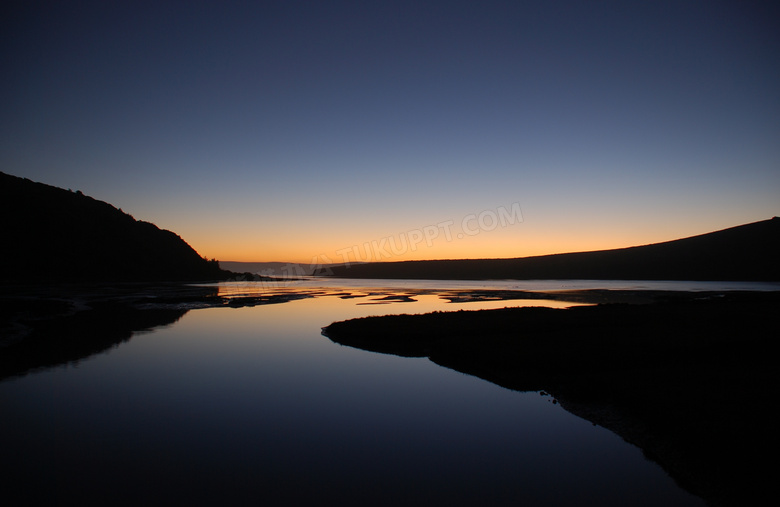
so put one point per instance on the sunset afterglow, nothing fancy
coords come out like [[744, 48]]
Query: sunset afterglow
[[314, 131]]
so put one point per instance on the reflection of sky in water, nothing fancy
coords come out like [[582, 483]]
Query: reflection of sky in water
[[333, 285], [254, 404]]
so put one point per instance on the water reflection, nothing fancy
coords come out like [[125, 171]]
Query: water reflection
[[351, 284], [56, 328], [74, 338], [239, 405]]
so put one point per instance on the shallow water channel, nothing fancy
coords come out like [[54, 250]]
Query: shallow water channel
[[253, 404]]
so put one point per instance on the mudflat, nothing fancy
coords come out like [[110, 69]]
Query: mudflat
[[687, 377]]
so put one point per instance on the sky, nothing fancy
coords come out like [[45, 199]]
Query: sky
[[332, 131]]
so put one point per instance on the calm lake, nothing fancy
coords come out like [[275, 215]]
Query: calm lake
[[254, 405]]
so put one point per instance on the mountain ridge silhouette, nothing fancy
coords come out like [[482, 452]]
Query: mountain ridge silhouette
[[57, 235], [748, 252]]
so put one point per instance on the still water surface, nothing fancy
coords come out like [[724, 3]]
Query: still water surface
[[254, 405]]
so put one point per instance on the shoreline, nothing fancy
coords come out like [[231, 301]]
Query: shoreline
[[686, 378]]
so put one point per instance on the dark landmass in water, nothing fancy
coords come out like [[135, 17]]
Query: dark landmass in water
[[690, 378], [54, 235], [744, 253]]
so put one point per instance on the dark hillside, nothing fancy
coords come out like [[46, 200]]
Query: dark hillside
[[746, 253], [51, 234]]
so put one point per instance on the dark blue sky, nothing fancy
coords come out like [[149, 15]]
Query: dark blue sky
[[290, 130]]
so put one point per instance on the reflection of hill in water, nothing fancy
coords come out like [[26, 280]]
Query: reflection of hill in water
[[54, 334], [44, 326]]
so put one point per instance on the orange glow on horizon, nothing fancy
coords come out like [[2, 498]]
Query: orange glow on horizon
[[376, 251], [319, 246]]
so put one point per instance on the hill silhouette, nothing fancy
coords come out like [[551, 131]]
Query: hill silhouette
[[54, 235], [744, 253]]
